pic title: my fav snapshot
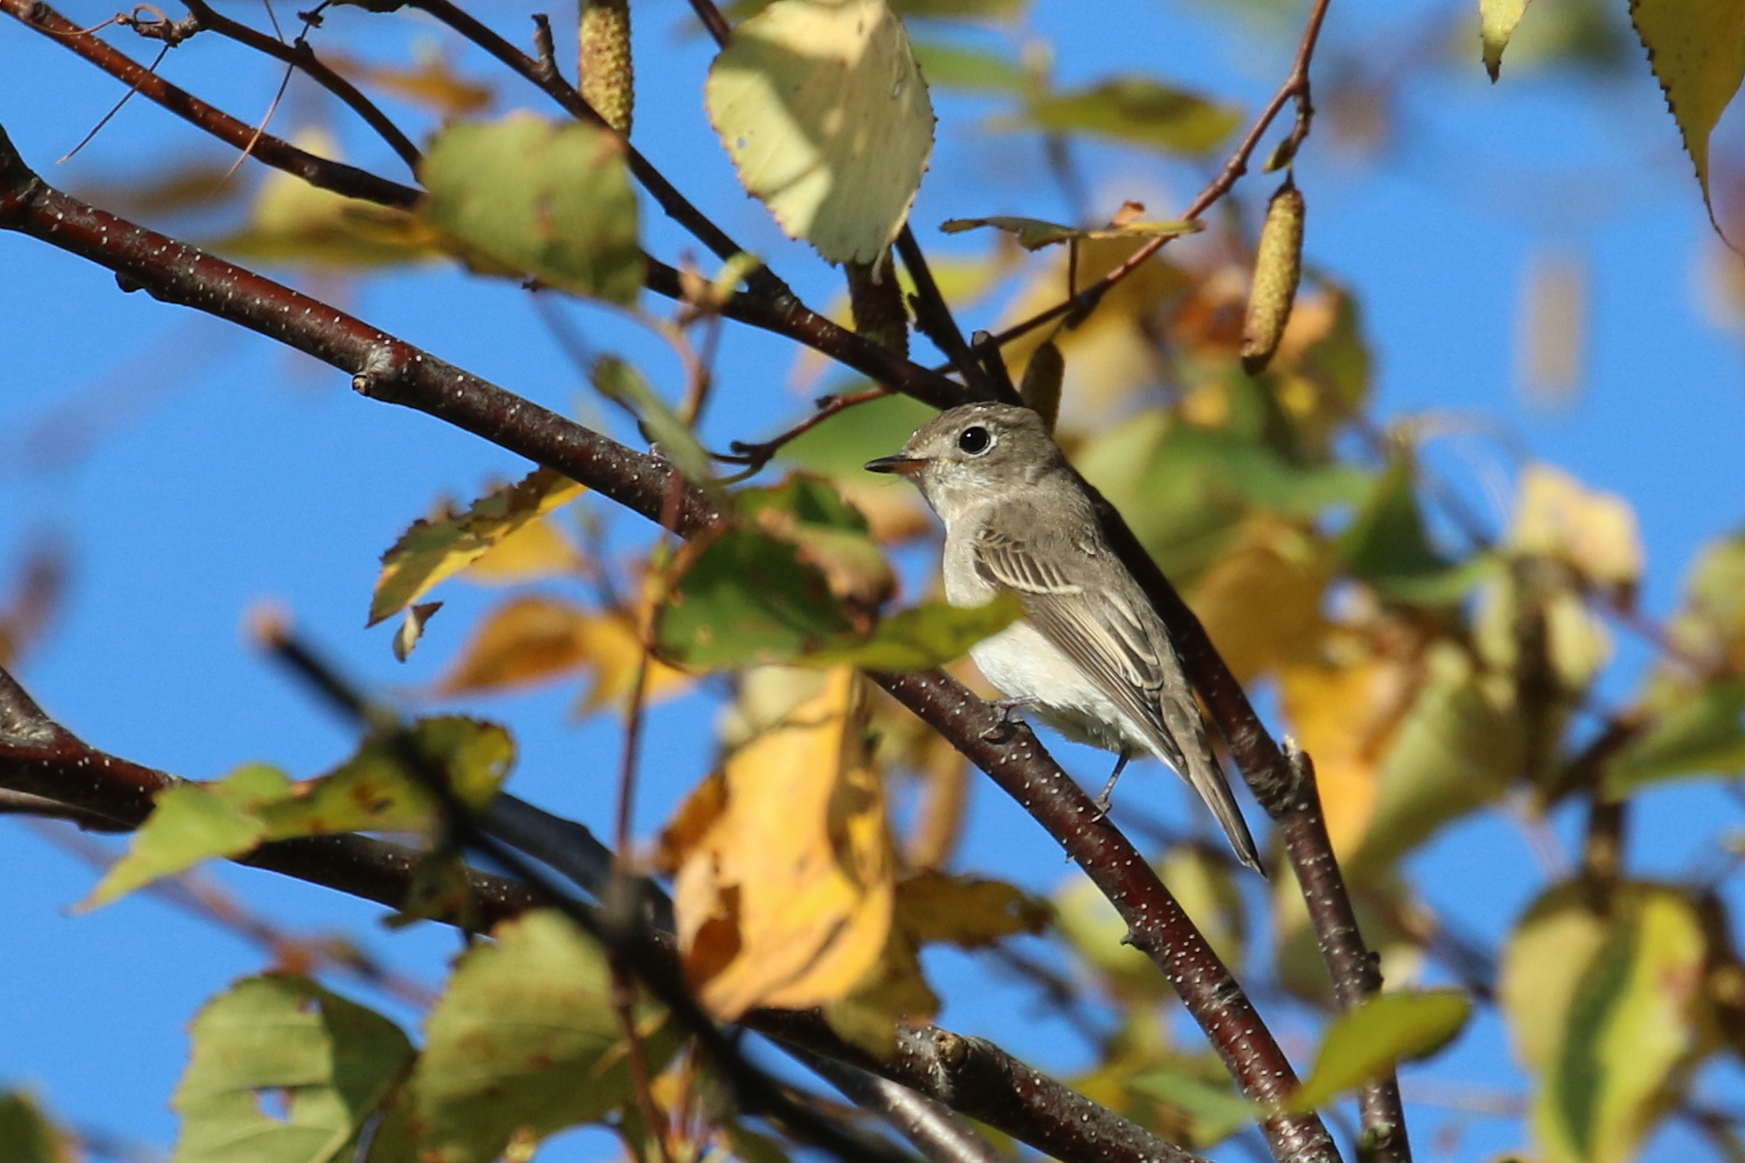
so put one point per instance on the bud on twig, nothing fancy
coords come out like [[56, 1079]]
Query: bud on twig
[[1278, 264], [603, 64], [1040, 390]]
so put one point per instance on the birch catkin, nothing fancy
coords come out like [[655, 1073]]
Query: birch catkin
[[1278, 264], [606, 74], [1040, 390]]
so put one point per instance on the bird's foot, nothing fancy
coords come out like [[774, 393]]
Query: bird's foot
[[1010, 721], [1103, 801]]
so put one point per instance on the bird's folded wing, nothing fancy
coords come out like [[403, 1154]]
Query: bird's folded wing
[[1093, 625]]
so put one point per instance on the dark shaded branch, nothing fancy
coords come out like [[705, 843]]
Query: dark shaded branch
[[299, 55], [273, 151]]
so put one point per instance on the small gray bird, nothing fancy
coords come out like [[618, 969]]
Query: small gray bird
[[1090, 657]]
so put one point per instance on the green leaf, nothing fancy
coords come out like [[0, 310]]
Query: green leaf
[[921, 637], [1454, 751], [1388, 546], [1697, 51], [842, 444], [1636, 1019], [1216, 1112], [334, 1063], [1139, 110], [430, 551], [1365, 1043], [26, 1136], [526, 198], [1702, 733], [1497, 20], [746, 597], [526, 1039], [823, 110], [1034, 233], [623, 385], [951, 66], [191, 823], [373, 792]]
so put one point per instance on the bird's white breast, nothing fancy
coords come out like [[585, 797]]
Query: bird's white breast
[[1023, 664]]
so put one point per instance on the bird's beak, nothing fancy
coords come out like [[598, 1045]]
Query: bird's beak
[[906, 465]]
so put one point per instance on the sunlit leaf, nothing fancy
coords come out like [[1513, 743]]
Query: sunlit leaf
[[1557, 516], [432, 550], [839, 446], [966, 911], [532, 639], [1497, 20], [293, 222], [1136, 109], [533, 551], [746, 597], [26, 1135], [1034, 233], [823, 110], [525, 1041], [1710, 624], [192, 823], [928, 635], [621, 383], [1606, 1008], [526, 198], [412, 628], [374, 791], [1260, 599], [951, 66], [784, 890], [334, 1063], [1366, 1042], [1697, 51]]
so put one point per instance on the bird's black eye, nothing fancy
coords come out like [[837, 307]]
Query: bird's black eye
[[975, 440]]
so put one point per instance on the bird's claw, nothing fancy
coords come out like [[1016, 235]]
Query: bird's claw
[[1009, 723]]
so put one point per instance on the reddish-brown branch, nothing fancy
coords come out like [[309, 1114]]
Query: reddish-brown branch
[[275, 152], [1156, 923]]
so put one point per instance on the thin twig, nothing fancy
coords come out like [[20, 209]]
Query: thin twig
[[1295, 87], [756, 455], [299, 55]]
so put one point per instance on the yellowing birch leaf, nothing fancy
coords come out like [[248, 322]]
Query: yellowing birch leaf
[[525, 198], [1497, 20], [1557, 516], [532, 551], [1607, 1010], [1035, 233], [1697, 51], [784, 896], [822, 108], [1366, 1042], [432, 550]]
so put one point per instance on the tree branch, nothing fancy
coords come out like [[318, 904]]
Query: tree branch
[[389, 369], [273, 151]]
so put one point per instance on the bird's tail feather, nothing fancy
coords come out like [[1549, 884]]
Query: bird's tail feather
[[1199, 766]]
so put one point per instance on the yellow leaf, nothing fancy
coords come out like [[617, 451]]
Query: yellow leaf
[[1607, 1008], [534, 639], [1497, 20], [1344, 716], [534, 551], [822, 108], [1557, 516], [784, 898], [1260, 599], [432, 550], [1697, 50], [294, 222], [430, 81], [966, 911]]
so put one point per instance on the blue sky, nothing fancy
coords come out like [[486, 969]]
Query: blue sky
[[233, 473]]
